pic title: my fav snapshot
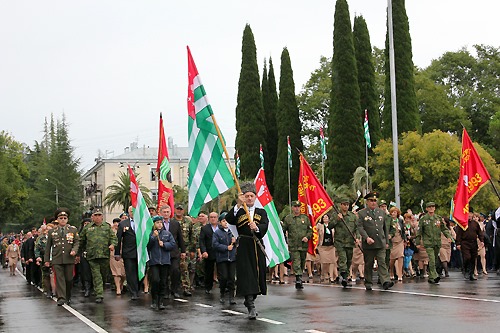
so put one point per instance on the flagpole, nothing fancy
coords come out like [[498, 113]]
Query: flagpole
[[366, 168], [289, 187], [237, 184], [323, 169]]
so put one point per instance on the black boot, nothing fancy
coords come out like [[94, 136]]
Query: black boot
[[298, 282], [86, 285], [221, 300], [231, 298], [249, 303], [471, 271], [154, 303], [344, 280], [161, 306]]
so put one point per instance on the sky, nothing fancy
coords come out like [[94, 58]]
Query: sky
[[111, 67]]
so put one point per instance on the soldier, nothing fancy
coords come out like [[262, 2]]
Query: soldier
[[187, 235], [40, 244], [467, 245], [343, 241], [63, 244], [371, 227], [430, 228], [195, 252], [299, 231], [97, 239]]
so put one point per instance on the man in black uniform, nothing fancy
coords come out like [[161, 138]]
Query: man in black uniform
[[250, 258]]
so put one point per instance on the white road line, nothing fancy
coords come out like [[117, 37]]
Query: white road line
[[445, 296], [204, 305], [77, 314], [181, 300], [314, 331], [270, 321], [233, 312]]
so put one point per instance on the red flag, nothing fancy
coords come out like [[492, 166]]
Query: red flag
[[314, 199], [164, 172], [473, 176], [134, 187]]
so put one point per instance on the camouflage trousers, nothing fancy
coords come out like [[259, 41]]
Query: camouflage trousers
[[185, 280], [298, 261], [100, 269], [345, 259]]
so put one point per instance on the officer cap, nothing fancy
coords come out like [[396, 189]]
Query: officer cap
[[382, 202], [97, 211], [296, 203], [371, 195], [179, 206], [61, 212], [430, 204]]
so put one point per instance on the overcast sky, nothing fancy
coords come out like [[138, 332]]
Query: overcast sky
[[113, 66]]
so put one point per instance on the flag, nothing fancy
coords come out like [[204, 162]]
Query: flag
[[452, 208], [143, 223], [209, 174], [322, 142], [261, 155], [289, 151], [473, 176], [274, 239], [367, 131], [314, 200], [237, 171], [164, 172]]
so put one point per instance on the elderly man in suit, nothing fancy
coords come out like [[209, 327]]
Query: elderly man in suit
[[207, 250], [373, 231], [127, 249]]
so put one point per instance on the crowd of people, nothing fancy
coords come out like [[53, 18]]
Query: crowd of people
[[186, 253]]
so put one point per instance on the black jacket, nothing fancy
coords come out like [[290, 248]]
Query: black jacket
[[127, 246], [206, 235]]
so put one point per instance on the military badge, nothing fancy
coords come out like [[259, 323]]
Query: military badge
[[69, 237], [125, 229]]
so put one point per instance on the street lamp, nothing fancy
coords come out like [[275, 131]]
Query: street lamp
[[57, 192], [181, 169]]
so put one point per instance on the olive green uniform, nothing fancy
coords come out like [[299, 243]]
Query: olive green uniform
[[429, 231], [197, 261], [60, 243], [187, 235], [40, 245], [343, 241], [297, 227], [95, 241]]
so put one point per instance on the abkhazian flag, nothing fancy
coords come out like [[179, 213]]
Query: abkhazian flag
[[274, 240], [367, 131], [314, 200], [322, 143], [261, 155], [473, 176], [289, 151], [209, 174], [143, 223], [238, 165], [164, 172]]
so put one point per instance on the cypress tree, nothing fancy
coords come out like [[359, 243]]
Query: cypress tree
[[345, 129], [270, 99], [288, 125], [408, 116], [250, 118], [366, 78]]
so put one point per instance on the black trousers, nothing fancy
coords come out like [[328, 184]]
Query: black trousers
[[158, 279], [209, 273], [85, 273], [131, 273], [173, 282], [226, 272]]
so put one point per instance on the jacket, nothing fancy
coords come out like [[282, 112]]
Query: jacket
[[221, 239], [160, 255]]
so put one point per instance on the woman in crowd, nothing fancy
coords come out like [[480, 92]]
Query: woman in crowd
[[481, 253], [326, 250], [445, 250], [117, 267], [396, 235], [13, 254]]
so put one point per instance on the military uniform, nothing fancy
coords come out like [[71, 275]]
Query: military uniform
[[60, 243], [197, 261], [371, 223], [95, 241], [344, 242], [40, 245], [297, 227], [187, 235]]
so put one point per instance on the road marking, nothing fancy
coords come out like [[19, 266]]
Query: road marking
[[204, 305], [270, 321], [233, 312], [77, 314], [314, 331], [181, 300], [445, 296]]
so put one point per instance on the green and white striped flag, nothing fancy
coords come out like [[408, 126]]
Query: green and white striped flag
[[367, 130], [238, 165], [322, 143], [289, 151], [143, 223], [209, 174], [261, 155], [274, 239]]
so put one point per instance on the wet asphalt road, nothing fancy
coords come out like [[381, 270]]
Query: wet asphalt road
[[413, 306]]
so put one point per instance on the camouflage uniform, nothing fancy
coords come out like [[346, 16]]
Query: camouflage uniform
[[298, 227], [197, 262], [95, 241], [40, 244], [344, 242], [187, 234]]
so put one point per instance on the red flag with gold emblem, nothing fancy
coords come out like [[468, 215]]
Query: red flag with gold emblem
[[473, 176], [164, 172], [314, 200]]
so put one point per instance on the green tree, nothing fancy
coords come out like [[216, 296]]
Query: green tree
[[436, 109], [314, 110], [250, 118], [345, 128], [408, 117], [288, 125], [13, 189], [494, 132], [366, 77], [270, 101], [119, 192], [472, 84], [429, 169]]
